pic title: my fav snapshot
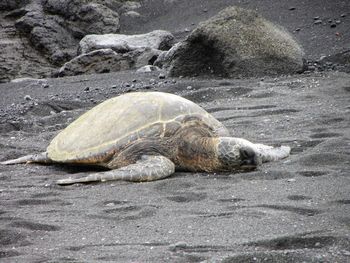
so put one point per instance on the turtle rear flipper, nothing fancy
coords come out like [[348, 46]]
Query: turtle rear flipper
[[32, 158], [148, 168]]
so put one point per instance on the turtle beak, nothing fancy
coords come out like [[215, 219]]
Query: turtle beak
[[249, 158]]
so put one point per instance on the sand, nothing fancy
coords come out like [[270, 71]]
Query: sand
[[293, 210]]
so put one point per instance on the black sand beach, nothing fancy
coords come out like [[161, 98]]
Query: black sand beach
[[294, 210]]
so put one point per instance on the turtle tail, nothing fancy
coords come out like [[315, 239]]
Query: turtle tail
[[32, 158]]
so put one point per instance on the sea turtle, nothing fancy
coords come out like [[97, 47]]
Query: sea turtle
[[145, 136]]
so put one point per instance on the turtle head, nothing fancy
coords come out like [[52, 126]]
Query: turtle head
[[237, 154]]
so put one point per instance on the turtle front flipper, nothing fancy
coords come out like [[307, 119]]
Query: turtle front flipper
[[269, 153], [32, 158], [148, 168]]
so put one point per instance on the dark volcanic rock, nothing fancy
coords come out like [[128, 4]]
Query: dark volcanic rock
[[12, 4], [55, 27], [83, 17], [47, 34], [236, 43]]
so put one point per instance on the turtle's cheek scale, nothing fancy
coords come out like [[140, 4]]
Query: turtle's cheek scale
[[229, 154]]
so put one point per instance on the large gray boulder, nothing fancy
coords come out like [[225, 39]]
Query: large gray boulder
[[97, 61], [235, 43], [115, 52], [107, 60], [158, 39]]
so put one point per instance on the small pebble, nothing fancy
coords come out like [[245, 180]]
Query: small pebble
[[311, 68], [45, 86], [317, 22], [87, 89], [343, 15], [333, 25], [316, 18], [161, 76], [27, 97], [291, 180], [189, 87], [337, 22], [134, 80], [292, 8], [187, 30], [147, 87], [152, 81], [114, 87], [298, 29]]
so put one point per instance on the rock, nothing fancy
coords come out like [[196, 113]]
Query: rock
[[54, 28], [107, 60], [28, 97], [158, 39], [132, 14], [143, 56], [12, 4], [83, 17], [148, 68], [46, 34], [130, 6], [97, 61], [234, 43], [340, 61], [164, 59], [318, 22]]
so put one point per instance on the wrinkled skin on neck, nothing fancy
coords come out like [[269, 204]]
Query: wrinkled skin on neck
[[199, 150]]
